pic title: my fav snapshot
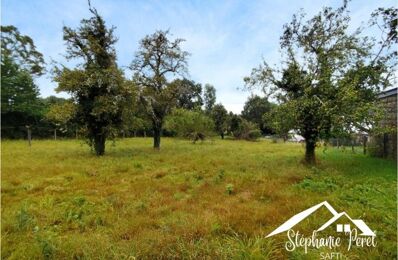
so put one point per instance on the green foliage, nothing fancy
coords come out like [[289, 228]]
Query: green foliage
[[47, 247], [209, 97], [24, 220], [220, 117], [320, 186], [254, 134], [281, 120], [190, 94], [98, 87], [229, 188], [21, 50], [61, 114], [194, 125], [243, 129], [20, 102], [18, 91], [254, 109]]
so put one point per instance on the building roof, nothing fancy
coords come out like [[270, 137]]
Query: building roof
[[388, 92]]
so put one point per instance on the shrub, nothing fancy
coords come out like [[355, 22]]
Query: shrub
[[243, 129], [229, 188], [191, 124], [254, 134]]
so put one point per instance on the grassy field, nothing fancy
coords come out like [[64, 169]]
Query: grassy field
[[211, 200]]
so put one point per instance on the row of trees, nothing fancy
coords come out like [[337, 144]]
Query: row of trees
[[103, 101], [326, 86]]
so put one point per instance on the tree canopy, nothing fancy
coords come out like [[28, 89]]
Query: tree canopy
[[157, 59], [209, 97], [327, 68], [254, 110]]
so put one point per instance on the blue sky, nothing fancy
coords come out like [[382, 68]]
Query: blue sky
[[226, 39]]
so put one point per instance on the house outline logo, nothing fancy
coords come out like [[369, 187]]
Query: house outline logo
[[290, 223]]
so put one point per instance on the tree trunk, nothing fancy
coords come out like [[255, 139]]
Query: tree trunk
[[55, 134], [157, 132], [135, 133], [365, 144], [222, 135], [29, 136], [310, 151], [144, 133], [99, 145]]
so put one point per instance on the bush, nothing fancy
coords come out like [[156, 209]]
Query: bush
[[229, 189], [194, 125], [254, 134], [243, 129]]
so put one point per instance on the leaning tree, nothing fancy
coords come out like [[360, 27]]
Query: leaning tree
[[329, 79], [97, 86], [157, 60]]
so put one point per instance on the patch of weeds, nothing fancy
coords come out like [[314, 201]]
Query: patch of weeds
[[245, 247], [138, 165], [28, 187], [141, 206], [316, 170], [47, 202], [229, 189], [216, 228], [322, 185], [365, 194], [96, 221], [24, 219], [47, 246], [198, 176], [79, 201], [220, 176], [74, 215], [77, 212]]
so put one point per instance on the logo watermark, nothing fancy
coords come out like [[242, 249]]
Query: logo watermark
[[354, 232]]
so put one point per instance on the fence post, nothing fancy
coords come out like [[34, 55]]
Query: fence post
[[29, 135]]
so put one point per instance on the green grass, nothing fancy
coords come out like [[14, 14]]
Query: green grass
[[211, 200]]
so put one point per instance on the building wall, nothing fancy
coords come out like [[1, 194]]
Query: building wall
[[385, 145]]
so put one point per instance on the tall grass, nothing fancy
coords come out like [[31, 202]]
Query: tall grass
[[214, 200]]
